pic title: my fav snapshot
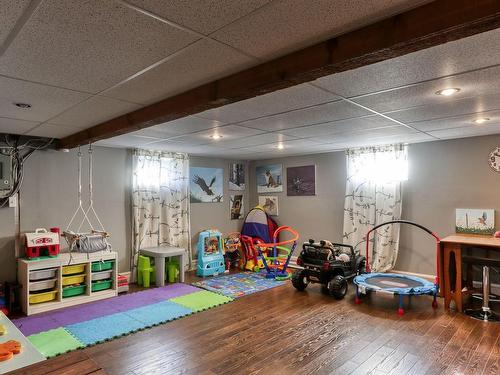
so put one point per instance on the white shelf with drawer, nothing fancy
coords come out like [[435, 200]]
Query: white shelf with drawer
[[42, 280]]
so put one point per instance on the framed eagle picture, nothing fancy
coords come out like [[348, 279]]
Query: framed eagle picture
[[205, 185]]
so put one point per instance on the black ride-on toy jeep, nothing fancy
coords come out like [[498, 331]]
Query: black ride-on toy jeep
[[329, 264]]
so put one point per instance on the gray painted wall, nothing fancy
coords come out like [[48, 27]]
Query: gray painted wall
[[443, 175], [319, 216], [215, 215], [49, 197]]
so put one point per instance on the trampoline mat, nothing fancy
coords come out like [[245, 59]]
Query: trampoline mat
[[391, 282], [395, 283]]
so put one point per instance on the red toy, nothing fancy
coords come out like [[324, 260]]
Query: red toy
[[42, 243]]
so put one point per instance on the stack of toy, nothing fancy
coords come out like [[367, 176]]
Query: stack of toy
[[122, 283]]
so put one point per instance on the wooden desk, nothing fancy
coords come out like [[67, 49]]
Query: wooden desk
[[450, 264]]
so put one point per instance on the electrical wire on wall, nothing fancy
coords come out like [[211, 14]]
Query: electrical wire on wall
[[19, 153]]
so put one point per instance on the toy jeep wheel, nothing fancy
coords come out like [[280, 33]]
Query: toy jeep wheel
[[299, 280], [337, 287], [362, 267]]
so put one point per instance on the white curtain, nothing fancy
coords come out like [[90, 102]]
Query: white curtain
[[160, 201], [373, 196]]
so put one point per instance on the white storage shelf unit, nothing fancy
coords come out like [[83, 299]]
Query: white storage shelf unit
[[49, 277]]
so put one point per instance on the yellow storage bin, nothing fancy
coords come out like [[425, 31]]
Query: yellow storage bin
[[43, 297], [74, 279], [75, 268]]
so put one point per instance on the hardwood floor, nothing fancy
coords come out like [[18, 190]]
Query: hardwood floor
[[282, 331]]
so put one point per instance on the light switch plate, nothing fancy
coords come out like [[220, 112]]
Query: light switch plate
[[13, 201]]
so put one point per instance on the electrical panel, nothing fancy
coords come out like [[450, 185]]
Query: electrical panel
[[5, 174]]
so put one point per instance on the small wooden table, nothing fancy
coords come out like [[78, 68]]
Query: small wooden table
[[160, 253], [450, 263]]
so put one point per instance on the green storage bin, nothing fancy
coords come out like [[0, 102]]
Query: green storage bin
[[102, 266], [71, 291], [101, 285]]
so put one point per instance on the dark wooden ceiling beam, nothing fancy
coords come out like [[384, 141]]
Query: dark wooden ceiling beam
[[429, 25]]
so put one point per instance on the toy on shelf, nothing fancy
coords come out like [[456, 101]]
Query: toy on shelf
[[210, 253], [42, 243], [122, 283], [276, 255], [232, 251], [8, 349]]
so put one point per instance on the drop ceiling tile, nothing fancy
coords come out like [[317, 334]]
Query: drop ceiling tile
[[286, 26], [52, 131], [483, 82], [297, 145], [202, 16], [185, 125], [46, 101], [299, 96], [478, 51], [368, 134], [198, 64], [256, 140], [468, 131], [342, 126], [458, 122], [13, 126], [88, 45], [481, 103], [317, 114], [93, 111], [128, 141], [10, 11], [230, 134]]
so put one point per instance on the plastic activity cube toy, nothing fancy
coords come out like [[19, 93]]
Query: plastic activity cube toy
[[210, 253]]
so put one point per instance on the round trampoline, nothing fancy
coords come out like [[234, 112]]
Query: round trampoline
[[402, 285]]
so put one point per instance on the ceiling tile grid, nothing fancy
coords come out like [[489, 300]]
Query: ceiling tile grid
[[88, 45], [14, 126], [202, 16], [52, 131], [46, 101], [182, 126], [482, 82], [93, 111], [10, 12], [288, 25], [199, 63], [450, 108], [280, 101], [472, 53]]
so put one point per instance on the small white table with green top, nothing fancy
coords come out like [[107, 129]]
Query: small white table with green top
[[159, 253], [28, 356]]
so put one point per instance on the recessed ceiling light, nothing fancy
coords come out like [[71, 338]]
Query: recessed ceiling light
[[22, 105], [481, 120], [448, 92], [216, 136], [280, 146]]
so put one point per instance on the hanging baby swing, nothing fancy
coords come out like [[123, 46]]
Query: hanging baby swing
[[96, 239]]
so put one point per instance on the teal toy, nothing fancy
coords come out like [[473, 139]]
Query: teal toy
[[210, 253]]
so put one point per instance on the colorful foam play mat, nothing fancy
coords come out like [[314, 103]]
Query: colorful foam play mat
[[238, 284], [61, 331]]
